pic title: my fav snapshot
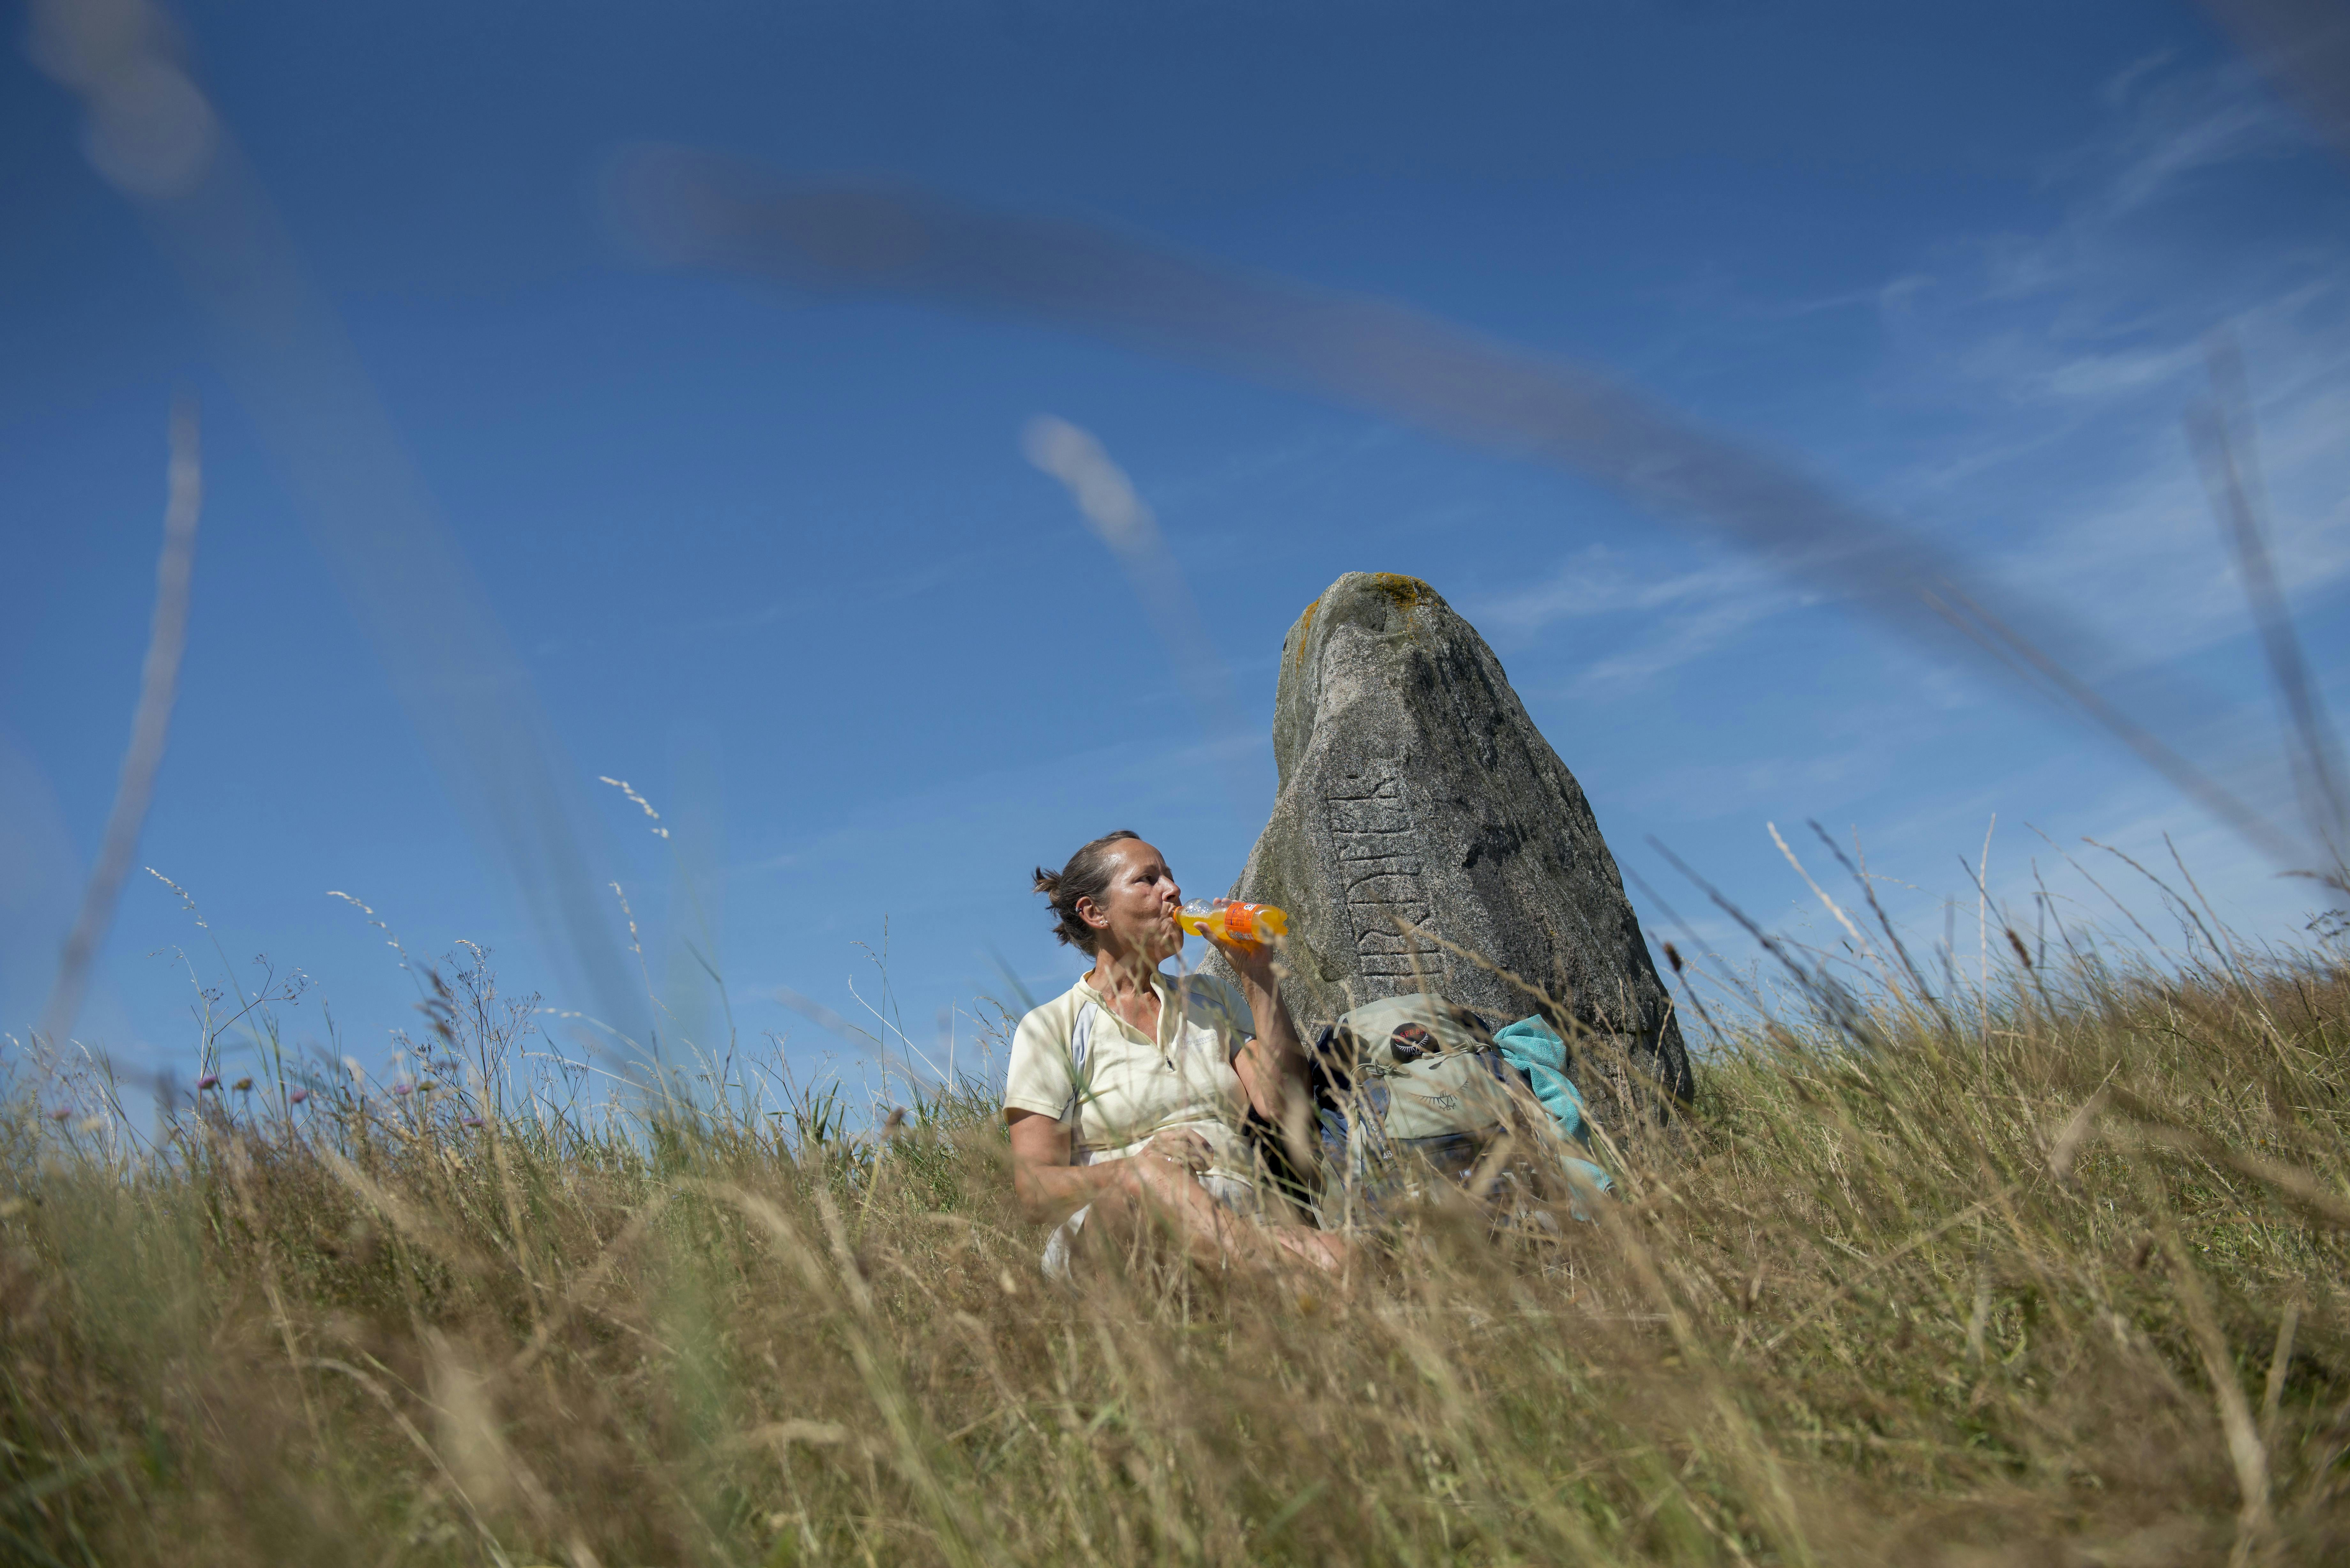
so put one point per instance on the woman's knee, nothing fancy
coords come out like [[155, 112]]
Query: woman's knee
[[1319, 1248]]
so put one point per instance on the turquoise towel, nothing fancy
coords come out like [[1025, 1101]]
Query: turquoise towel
[[1533, 1048]]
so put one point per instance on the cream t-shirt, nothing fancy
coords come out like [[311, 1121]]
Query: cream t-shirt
[[1075, 1060]]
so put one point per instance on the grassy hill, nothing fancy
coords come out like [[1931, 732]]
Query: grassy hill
[[2054, 1274]]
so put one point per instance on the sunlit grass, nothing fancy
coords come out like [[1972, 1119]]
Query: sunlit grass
[[2063, 1263]]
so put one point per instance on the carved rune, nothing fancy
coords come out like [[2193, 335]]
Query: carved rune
[[1380, 861]]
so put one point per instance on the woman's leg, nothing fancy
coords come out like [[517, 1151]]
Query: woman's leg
[[1321, 1249], [1209, 1233]]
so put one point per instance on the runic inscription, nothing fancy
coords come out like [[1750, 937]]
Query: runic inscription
[[1381, 861]]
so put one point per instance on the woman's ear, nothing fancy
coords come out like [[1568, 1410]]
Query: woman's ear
[[1092, 914]]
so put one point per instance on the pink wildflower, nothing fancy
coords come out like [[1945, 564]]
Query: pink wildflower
[[295, 1096], [209, 1081]]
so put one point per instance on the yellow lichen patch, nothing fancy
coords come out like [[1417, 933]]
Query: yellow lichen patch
[[1298, 633], [1404, 593]]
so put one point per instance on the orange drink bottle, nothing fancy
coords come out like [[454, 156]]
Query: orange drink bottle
[[1248, 925]]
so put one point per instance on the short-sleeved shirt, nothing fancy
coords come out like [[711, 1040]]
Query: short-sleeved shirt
[[1075, 1060]]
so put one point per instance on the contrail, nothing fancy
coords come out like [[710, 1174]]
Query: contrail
[[694, 209], [152, 133], [1105, 497]]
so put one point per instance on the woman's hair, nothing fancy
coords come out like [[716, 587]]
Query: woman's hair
[[1087, 876]]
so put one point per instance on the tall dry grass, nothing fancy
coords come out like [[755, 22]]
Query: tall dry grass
[[2052, 1274]]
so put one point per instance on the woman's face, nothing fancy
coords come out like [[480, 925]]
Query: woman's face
[[1136, 913]]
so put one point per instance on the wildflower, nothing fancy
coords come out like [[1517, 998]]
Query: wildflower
[[401, 1088], [209, 1081], [61, 1113], [295, 1096], [473, 1121], [243, 1086]]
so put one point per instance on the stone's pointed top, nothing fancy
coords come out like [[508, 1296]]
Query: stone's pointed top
[[1378, 604], [1427, 837], [1367, 598], [1397, 590]]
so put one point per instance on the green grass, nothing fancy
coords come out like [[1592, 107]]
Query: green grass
[[2058, 1277]]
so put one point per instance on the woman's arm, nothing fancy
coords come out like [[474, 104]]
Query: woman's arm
[[1049, 1189], [1272, 1065]]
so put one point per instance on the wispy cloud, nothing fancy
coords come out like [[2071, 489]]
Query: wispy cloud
[[1597, 581], [2062, 361], [2171, 124], [1666, 621], [2047, 372], [2057, 364]]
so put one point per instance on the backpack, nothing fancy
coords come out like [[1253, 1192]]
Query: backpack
[[1435, 1079], [1422, 1066]]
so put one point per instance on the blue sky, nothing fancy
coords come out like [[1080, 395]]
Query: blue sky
[[780, 564]]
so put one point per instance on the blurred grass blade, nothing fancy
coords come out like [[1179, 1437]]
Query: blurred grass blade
[[826, 1019], [692, 209], [2303, 46], [2221, 434], [153, 134], [151, 727]]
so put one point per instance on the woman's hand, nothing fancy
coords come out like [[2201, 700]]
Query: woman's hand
[[1250, 960], [1165, 1172], [1181, 1148]]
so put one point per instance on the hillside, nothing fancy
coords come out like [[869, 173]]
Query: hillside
[[2059, 1278]]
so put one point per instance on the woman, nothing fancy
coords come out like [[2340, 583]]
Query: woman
[[1126, 1094]]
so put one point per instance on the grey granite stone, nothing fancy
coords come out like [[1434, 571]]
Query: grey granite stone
[[1427, 837]]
